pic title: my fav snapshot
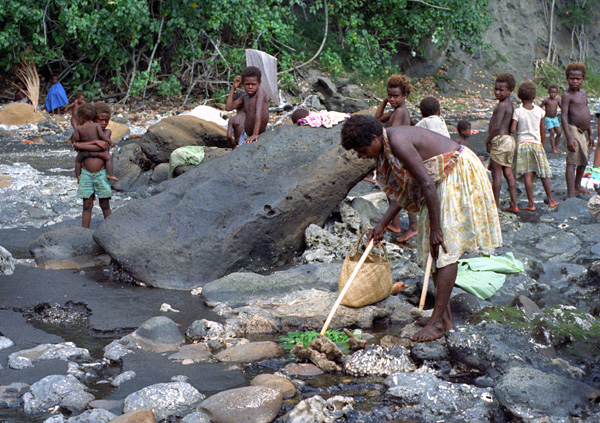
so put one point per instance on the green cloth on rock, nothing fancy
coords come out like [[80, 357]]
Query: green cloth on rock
[[191, 155], [484, 276]]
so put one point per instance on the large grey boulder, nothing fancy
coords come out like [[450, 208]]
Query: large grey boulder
[[68, 248], [177, 131], [165, 399], [257, 404], [247, 210], [54, 390], [129, 163], [157, 334]]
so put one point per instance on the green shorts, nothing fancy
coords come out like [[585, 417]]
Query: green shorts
[[93, 183]]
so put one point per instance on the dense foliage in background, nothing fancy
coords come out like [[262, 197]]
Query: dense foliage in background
[[174, 46]]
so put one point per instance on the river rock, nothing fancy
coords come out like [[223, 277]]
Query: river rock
[[247, 210], [114, 406], [64, 351], [6, 181], [68, 248], [51, 391], [333, 100], [302, 370], [136, 416], [209, 114], [7, 262], [379, 361], [196, 417], [115, 351], [283, 384], [11, 396], [20, 114], [178, 131], [257, 404], [157, 334], [529, 395], [317, 409], [160, 173], [197, 330], [164, 399], [193, 352], [237, 289], [122, 378], [253, 351], [129, 163], [118, 131], [425, 398], [5, 342]]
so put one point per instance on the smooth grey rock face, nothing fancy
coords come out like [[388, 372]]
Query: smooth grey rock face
[[63, 351], [164, 399], [257, 404], [157, 334], [68, 248], [129, 163], [51, 391], [246, 210], [528, 393]]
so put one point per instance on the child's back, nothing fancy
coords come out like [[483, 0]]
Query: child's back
[[430, 109]]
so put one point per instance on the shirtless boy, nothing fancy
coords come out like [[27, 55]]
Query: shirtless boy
[[398, 89], [500, 144], [464, 132], [551, 105], [576, 122], [254, 104], [93, 180]]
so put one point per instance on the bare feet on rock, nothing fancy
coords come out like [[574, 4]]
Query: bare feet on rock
[[512, 209], [393, 228], [408, 234], [113, 177], [557, 151], [582, 190], [553, 204], [429, 333], [530, 208]]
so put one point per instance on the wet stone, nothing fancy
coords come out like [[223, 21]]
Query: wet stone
[[114, 406], [283, 384], [115, 351], [64, 351], [434, 350], [302, 370], [136, 416], [194, 352], [197, 330], [257, 404], [196, 417], [165, 399], [158, 334], [5, 342], [52, 391], [122, 378], [11, 395], [378, 361], [253, 351]]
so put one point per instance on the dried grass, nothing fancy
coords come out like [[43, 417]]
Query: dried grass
[[27, 72]]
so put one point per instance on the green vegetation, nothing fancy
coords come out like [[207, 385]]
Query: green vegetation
[[289, 340], [173, 46]]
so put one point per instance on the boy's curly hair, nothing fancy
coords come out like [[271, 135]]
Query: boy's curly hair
[[358, 131], [79, 94], [508, 79], [575, 66], [102, 107], [400, 81], [251, 71], [299, 114], [429, 106], [527, 91], [463, 125], [551, 86], [86, 111]]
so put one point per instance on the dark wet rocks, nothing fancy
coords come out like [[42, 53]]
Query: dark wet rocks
[[266, 214], [531, 395], [11, 396], [68, 248], [425, 397], [258, 404], [64, 351], [165, 399], [157, 334]]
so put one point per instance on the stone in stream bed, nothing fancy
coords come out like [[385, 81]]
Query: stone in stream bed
[[53, 390], [379, 361], [165, 399], [63, 351], [256, 404], [158, 334]]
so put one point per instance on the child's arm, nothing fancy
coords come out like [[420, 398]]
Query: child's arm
[[543, 104], [95, 146], [564, 120], [590, 137], [380, 114], [75, 116], [102, 136], [261, 97], [513, 125], [232, 104], [542, 132]]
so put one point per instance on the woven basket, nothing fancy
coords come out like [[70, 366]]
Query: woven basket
[[373, 282]]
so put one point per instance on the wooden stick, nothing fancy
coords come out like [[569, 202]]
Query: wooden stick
[[425, 282], [350, 280]]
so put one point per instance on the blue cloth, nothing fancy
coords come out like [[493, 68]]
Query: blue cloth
[[56, 97], [551, 122]]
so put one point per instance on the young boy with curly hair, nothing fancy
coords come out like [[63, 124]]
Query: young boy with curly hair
[[253, 117], [463, 128], [576, 123], [528, 123], [93, 181], [430, 110], [398, 89], [500, 144], [551, 105]]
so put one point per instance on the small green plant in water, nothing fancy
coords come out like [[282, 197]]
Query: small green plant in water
[[289, 340]]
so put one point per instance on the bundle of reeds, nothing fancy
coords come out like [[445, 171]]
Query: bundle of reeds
[[27, 73]]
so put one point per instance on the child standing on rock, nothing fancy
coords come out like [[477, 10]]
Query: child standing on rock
[[247, 126], [577, 129], [398, 89], [551, 105], [500, 144], [531, 158]]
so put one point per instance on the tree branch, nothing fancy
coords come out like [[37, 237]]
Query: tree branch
[[430, 5]]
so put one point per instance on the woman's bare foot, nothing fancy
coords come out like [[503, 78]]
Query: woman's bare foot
[[530, 208], [429, 333], [582, 190], [512, 209], [557, 151], [553, 204], [113, 177], [408, 234]]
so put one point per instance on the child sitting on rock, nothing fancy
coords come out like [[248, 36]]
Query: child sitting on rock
[[86, 135], [253, 121], [528, 122], [430, 109]]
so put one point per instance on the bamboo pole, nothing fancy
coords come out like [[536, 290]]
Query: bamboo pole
[[425, 282]]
